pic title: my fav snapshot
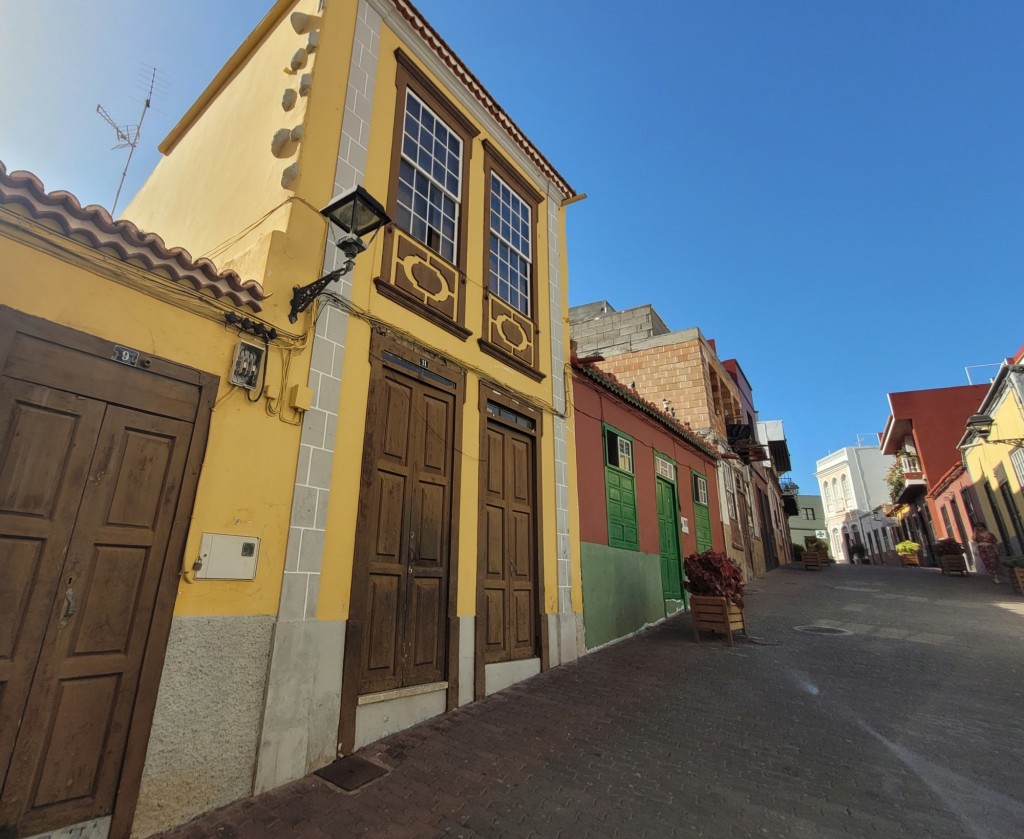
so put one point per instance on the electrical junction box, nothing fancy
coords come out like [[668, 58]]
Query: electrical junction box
[[684, 523], [225, 557]]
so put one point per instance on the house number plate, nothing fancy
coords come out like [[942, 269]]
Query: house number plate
[[126, 356]]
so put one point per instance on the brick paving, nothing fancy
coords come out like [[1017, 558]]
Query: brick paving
[[911, 725]]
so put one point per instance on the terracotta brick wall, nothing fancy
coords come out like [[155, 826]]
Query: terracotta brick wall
[[677, 373]]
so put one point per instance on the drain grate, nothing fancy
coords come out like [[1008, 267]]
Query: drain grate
[[822, 630], [350, 773]]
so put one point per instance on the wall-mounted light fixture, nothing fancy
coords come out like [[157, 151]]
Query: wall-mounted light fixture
[[981, 425], [357, 214]]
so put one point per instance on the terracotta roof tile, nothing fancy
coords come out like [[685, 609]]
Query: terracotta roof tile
[[94, 225], [611, 383]]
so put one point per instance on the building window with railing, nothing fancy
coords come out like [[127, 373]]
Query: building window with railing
[[847, 493], [828, 496], [910, 463]]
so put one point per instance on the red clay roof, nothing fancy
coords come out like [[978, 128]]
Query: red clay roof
[[94, 226], [610, 383], [448, 56], [943, 483]]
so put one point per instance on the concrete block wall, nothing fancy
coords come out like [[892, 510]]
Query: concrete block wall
[[600, 333]]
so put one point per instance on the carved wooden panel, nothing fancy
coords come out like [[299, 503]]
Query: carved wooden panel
[[510, 336], [418, 278]]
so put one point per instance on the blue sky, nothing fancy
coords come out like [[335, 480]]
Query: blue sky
[[833, 191]]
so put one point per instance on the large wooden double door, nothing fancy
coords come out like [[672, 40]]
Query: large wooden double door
[[97, 462], [401, 605]]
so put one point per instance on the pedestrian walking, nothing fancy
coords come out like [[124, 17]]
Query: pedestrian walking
[[988, 550]]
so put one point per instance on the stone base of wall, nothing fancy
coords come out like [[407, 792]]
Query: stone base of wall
[[503, 674], [565, 637], [300, 723], [202, 746], [377, 720], [622, 592]]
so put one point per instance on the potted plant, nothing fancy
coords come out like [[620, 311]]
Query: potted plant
[[1014, 565], [814, 560], [909, 552], [951, 556], [715, 584]]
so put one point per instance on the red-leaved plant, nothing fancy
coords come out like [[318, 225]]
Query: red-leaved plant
[[948, 547], [713, 574]]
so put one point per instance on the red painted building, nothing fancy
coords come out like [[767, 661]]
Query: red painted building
[[923, 430], [647, 497]]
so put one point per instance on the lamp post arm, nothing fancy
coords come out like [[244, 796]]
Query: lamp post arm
[[303, 296]]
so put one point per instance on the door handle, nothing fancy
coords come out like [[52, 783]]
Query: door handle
[[69, 607]]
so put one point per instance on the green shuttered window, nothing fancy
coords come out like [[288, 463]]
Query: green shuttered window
[[620, 490]]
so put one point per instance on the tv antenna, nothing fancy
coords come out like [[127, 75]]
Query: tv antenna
[[128, 135]]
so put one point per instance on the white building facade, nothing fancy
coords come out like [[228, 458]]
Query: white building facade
[[853, 490]]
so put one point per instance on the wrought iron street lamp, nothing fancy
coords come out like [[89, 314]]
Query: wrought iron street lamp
[[356, 214], [981, 425]]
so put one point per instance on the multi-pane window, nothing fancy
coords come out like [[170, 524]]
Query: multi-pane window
[[828, 497], [664, 467], [700, 489], [730, 493], [511, 246], [429, 178], [620, 491], [1017, 459], [809, 513], [847, 492], [620, 451]]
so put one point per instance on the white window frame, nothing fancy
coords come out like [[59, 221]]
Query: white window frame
[[510, 246], [664, 467], [623, 453], [701, 484], [447, 244], [1017, 459]]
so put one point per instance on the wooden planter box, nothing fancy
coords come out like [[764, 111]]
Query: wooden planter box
[[814, 560], [913, 560], [715, 614], [953, 564], [1017, 577]]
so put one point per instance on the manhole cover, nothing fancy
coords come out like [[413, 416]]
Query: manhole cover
[[822, 630]]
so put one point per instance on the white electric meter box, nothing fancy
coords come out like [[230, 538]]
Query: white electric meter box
[[226, 557]]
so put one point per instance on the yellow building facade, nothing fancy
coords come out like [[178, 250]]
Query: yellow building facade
[[993, 452], [429, 554], [140, 478]]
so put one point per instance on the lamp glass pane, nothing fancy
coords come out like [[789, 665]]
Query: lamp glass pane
[[357, 213]]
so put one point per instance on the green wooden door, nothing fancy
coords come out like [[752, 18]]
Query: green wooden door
[[701, 513], [668, 538]]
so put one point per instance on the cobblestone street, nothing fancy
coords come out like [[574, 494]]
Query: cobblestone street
[[906, 723]]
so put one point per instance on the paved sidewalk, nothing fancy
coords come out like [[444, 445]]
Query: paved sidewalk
[[907, 723]]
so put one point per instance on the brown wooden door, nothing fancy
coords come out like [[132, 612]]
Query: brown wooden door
[[408, 519], [508, 545], [88, 497]]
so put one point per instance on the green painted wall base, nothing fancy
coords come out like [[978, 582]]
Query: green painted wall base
[[622, 592]]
